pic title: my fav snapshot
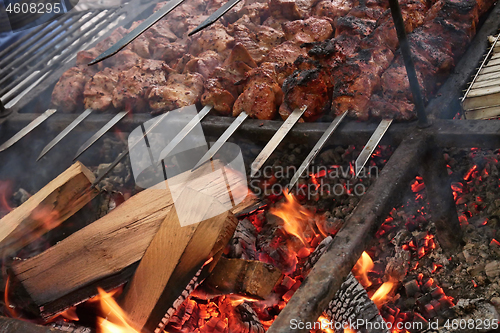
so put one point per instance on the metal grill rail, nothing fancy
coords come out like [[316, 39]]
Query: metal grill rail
[[29, 60]]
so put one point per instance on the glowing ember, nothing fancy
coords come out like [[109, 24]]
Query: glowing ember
[[116, 319], [294, 215], [361, 269], [470, 172]]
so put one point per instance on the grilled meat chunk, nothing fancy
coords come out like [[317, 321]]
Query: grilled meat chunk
[[180, 90], [133, 85], [84, 57], [214, 38], [306, 88], [204, 64], [286, 52], [333, 8], [67, 95], [98, 91], [257, 39], [261, 96], [310, 30], [122, 61], [352, 25]]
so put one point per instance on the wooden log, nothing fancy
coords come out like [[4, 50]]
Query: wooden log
[[104, 253], [174, 256], [249, 278], [48, 208]]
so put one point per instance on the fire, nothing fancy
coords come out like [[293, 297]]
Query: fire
[[295, 216], [5, 188], [361, 269], [9, 307], [325, 324], [381, 296], [116, 319]]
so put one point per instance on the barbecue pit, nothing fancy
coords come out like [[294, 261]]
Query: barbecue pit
[[418, 151]]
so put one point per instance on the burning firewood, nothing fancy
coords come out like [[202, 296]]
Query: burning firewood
[[351, 302], [174, 256], [48, 208], [103, 253], [248, 278]]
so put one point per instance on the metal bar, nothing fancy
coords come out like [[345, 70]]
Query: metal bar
[[63, 47], [184, 132], [215, 16], [65, 132], [31, 126], [145, 25], [316, 149], [23, 39], [236, 123], [100, 133], [46, 46], [370, 146], [276, 140], [404, 46], [5, 61], [442, 206], [334, 265]]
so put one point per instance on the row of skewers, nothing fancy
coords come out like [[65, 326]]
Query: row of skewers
[[356, 63]]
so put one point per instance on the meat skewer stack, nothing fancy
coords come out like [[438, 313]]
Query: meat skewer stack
[[271, 57]]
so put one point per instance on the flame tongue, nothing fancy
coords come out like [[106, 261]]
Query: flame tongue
[[295, 217], [116, 319]]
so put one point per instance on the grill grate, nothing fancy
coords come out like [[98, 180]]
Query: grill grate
[[28, 61]]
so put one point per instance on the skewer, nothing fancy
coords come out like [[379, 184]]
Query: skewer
[[64, 132], [145, 25], [215, 16], [316, 149], [222, 140], [404, 46], [127, 151], [19, 135], [184, 132], [100, 133], [370, 146], [276, 139]]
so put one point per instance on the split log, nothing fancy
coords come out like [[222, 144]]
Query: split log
[[106, 252], [174, 256], [48, 208], [10, 325], [351, 302], [249, 278]]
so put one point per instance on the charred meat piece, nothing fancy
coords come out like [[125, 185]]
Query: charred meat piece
[[180, 90], [161, 49], [84, 57], [353, 26], [309, 88], [98, 91], [286, 52], [67, 95], [333, 8], [257, 39], [359, 78], [221, 90], [122, 61], [204, 64], [261, 96], [307, 31], [133, 85], [214, 38]]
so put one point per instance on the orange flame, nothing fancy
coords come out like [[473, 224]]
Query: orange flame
[[295, 216], [9, 307], [381, 296], [362, 268], [116, 320], [5, 187], [325, 324]]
